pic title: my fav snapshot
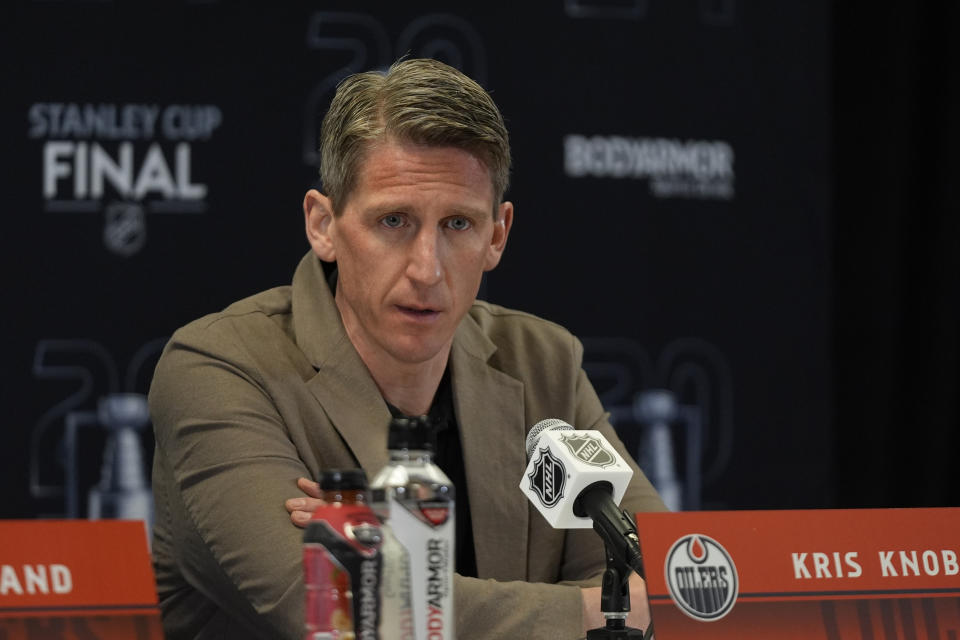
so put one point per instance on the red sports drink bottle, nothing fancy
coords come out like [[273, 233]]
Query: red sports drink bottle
[[342, 562]]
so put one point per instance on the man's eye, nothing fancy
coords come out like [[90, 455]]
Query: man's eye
[[459, 224], [394, 221]]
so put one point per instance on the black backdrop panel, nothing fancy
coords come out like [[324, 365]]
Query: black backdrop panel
[[670, 178]]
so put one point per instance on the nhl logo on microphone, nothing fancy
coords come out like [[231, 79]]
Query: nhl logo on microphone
[[548, 478], [588, 449]]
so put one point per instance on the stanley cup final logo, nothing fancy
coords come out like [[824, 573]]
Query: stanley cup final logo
[[122, 161], [588, 449], [548, 478]]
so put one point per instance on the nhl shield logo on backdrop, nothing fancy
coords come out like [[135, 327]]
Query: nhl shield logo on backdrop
[[701, 577], [588, 449], [548, 478]]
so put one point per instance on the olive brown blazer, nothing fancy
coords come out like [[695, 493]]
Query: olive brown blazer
[[247, 400]]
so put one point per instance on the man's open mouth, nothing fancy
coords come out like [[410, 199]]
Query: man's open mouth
[[417, 311]]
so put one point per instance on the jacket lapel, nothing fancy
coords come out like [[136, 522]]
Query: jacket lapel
[[489, 410], [343, 386], [356, 409]]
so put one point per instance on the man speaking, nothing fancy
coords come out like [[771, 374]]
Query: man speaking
[[381, 319]]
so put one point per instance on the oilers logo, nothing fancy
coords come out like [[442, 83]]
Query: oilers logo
[[701, 577], [548, 478]]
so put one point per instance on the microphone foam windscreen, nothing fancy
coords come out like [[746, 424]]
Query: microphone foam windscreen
[[550, 424]]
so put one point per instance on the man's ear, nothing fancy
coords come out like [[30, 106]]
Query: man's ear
[[501, 229], [317, 217]]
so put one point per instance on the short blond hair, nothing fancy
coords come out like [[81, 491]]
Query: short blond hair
[[421, 101]]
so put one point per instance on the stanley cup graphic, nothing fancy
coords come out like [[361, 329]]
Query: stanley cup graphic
[[123, 491]]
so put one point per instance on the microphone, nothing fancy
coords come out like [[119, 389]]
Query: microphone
[[576, 479]]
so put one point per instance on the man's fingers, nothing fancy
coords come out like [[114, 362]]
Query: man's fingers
[[307, 505], [300, 518], [301, 509], [309, 487]]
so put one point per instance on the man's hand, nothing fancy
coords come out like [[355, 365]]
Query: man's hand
[[639, 616], [301, 509]]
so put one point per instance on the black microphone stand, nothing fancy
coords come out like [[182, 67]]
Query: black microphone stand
[[615, 601]]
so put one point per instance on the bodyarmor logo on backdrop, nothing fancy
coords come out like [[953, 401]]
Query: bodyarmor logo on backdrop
[[122, 161], [699, 169]]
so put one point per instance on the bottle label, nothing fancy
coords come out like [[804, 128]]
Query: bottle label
[[425, 528], [432, 512], [343, 572], [397, 618]]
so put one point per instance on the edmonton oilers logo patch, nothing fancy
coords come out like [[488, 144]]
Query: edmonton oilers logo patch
[[548, 478], [701, 577]]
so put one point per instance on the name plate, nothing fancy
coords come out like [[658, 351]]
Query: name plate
[[830, 574], [79, 579]]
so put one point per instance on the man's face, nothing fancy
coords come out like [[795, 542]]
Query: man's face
[[411, 244]]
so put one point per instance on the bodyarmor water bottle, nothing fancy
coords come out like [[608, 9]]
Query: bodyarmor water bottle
[[415, 499], [342, 562]]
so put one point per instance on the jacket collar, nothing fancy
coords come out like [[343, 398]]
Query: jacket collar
[[488, 405], [490, 412]]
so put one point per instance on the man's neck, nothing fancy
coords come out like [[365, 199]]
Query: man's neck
[[408, 387]]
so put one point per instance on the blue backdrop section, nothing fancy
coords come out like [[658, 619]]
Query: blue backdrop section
[[671, 181]]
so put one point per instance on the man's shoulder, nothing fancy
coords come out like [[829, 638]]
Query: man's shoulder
[[253, 335], [514, 331], [262, 318], [270, 304], [544, 356], [493, 318]]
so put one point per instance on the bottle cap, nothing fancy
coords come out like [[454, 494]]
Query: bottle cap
[[411, 433], [343, 479]]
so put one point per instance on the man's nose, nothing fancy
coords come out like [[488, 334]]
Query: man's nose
[[424, 267]]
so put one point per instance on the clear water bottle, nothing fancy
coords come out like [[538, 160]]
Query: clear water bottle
[[397, 608], [342, 561], [415, 499]]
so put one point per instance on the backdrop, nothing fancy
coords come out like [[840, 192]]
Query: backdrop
[[672, 182]]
